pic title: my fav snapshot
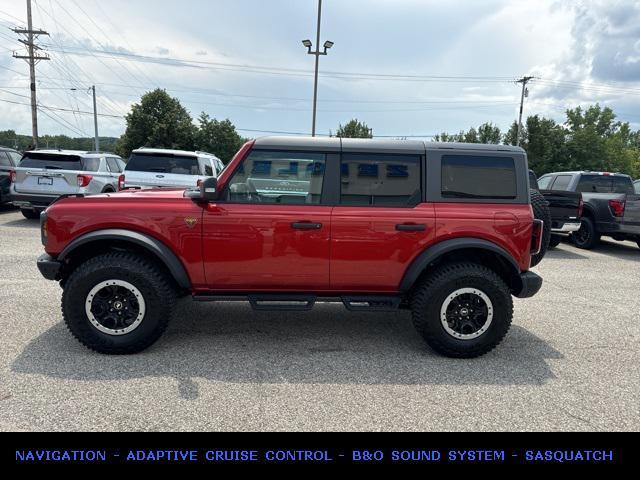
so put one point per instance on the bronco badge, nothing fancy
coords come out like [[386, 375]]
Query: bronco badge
[[190, 221]]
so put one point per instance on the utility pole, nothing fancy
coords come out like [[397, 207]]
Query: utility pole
[[33, 57], [317, 53], [523, 81], [95, 118]]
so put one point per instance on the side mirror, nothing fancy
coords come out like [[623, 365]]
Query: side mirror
[[206, 192], [209, 190]]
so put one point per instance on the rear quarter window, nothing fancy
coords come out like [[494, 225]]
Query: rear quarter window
[[477, 176], [91, 164], [164, 163], [562, 182], [543, 182]]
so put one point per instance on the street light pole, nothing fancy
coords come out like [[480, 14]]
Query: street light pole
[[96, 145], [95, 118], [317, 53]]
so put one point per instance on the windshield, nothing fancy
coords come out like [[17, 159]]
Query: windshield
[[51, 161], [163, 163]]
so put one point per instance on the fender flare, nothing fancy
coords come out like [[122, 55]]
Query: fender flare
[[151, 244], [431, 254]]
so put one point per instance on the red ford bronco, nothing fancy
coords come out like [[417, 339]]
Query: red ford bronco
[[445, 230]]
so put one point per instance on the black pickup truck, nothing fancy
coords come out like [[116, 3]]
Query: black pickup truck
[[611, 205], [565, 208]]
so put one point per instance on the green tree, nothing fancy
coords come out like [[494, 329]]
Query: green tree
[[158, 121], [489, 133], [218, 137], [354, 129], [545, 143], [587, 131]]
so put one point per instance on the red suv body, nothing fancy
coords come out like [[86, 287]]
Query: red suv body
[[377, 225]]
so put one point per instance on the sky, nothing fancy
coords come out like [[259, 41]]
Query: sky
[[405, 67]]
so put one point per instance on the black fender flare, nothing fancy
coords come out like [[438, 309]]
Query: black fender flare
[[431, 254], [151, 244]]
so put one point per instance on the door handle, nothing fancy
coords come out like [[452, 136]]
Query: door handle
[[306, 226], [411, 227]]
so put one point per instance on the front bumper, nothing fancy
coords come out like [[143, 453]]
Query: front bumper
[[49, 267], [568, 227], [30, 201], [531, 284]]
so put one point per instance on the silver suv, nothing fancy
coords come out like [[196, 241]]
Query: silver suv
[[44, 175], [156, 167]]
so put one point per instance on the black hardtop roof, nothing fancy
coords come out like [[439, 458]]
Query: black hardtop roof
[[373, 145]]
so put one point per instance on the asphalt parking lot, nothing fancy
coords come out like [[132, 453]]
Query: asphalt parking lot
[[570, 361]]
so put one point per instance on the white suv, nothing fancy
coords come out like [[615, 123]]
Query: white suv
[[44, 175], [154, 167]]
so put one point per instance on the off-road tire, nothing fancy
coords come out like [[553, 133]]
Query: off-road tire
[[541, 212], [430, 295], [588, 238], [554, 241], [30, 214], [155, 287]]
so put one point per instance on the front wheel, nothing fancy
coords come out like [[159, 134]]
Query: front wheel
[[587, 237], [117, 303], [462, 310]]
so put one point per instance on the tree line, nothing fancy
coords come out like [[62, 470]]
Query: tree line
[[589, 139]]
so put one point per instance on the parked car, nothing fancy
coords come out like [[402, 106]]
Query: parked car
[[611, 205], [636, 186], [153, 167], [44, 175], [445, 230], [9, 159], [565, 209]]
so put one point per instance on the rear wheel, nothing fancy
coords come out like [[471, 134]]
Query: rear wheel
[[555, 241], [587, 237], [117, 303], [462, 310], [30, 214], [541, 212]]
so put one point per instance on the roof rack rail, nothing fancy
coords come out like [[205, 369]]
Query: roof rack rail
[[207, 153]]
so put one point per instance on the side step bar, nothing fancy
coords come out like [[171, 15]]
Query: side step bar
[[304, 302]]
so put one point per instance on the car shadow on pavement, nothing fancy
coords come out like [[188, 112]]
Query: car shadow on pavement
[[25, 223], [565, 252], [228, 342], [627, 251]]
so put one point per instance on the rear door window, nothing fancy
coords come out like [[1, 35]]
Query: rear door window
[[380, 179], [475, 176], [562, 182], [163, 163], [51, 161]]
